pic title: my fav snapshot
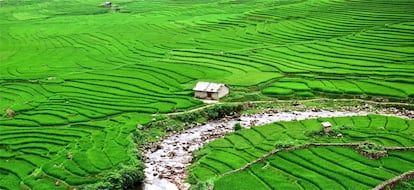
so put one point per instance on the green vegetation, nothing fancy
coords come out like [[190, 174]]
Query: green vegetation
[[309, 167], [237, 127], [318, 168], [70, 156], [405, 185], [209, 113], [76, 77]]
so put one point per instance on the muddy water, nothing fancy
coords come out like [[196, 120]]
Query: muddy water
[[166, 164]]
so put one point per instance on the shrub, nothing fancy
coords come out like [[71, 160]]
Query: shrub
[[214, 112], [203, 186], [371, 147], [281, 145], [237, 127], [132, 175], [124, 178]]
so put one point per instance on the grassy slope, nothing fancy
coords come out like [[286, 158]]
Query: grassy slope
[[77, 74], [312, 168]]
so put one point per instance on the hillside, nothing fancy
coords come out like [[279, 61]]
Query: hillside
[[77, 77]]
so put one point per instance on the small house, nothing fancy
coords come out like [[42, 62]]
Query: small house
[[108, 3], [327, 127], [209, 90]]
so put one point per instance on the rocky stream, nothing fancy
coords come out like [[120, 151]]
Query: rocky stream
[[167, 160]]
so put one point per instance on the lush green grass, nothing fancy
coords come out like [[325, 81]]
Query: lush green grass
[[312, 168], [81, 76], [317, 168]]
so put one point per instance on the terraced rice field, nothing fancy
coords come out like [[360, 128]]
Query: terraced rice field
[[78, 154], [80, 76], [318, 168], [328, 167], [406, 185]]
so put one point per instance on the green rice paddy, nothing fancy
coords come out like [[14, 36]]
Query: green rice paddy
[[327, 167], [81, 76], [318, 168]]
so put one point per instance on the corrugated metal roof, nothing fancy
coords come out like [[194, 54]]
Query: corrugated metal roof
[[208, 87]]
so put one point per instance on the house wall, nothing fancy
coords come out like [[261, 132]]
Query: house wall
[[215, 96], [199, 94], [224, 90]]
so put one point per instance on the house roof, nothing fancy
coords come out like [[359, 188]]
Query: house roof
[[208, 86], [326, 124]]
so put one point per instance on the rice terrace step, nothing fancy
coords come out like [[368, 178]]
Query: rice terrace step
[[86, 87]]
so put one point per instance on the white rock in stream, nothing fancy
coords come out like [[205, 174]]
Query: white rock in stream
[[159, 184], [165, 167]]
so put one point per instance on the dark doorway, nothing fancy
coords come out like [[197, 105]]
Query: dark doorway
[[208, 94]]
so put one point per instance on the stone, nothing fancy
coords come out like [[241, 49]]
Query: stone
[[187, 160], [314, 109], [159, 146], [185, 186], [171, 154]]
